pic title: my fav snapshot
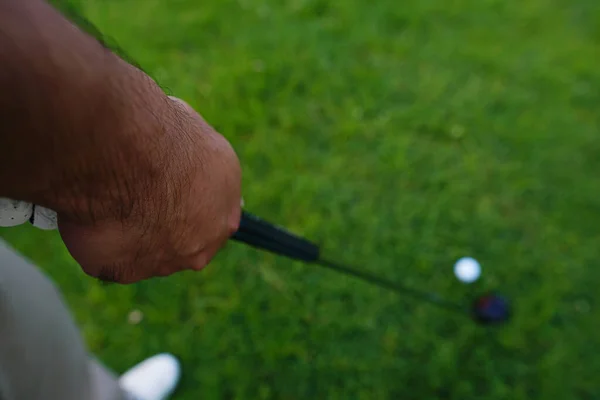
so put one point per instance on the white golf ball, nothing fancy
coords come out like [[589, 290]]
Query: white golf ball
[[467, 270]]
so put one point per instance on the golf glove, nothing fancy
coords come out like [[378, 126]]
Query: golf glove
[[13, 213]]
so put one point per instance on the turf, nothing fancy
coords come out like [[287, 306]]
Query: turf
[[400, 136]]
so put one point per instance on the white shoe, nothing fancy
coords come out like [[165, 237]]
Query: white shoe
[[153, 379]]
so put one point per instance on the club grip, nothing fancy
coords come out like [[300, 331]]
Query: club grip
[[267, 236]]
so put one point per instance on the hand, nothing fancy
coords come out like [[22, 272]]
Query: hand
[[141, 184], [181, 219]]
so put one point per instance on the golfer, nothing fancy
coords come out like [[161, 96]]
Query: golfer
[[142, 185]]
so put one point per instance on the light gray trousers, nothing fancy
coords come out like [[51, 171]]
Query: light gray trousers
[[42, 355]]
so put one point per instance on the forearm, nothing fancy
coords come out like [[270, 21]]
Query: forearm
[[75, 117]]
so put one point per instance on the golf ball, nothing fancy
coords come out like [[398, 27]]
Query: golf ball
[[467, 270]]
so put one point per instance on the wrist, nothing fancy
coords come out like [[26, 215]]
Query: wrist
[[125, 157], [84, 132]]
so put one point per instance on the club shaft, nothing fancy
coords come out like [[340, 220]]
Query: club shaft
[[429, 297], [262, 234]]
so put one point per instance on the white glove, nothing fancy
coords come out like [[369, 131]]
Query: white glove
[[13, 213]]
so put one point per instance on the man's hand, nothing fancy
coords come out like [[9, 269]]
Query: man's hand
[[142, 185], [179, 223]]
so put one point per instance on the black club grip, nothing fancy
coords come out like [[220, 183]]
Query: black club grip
[[267, 236]]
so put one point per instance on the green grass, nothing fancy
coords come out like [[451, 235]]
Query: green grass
[[400, 136]]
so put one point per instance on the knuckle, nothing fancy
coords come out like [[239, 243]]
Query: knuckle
[[105, 273], [201, 261], [114, 273], [167, 270], [232, 226]]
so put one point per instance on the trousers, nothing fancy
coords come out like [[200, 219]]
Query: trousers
[[42, 355]]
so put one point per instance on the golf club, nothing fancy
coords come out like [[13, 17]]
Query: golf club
[[256, 232]]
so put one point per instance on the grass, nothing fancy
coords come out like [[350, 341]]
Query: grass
[[400, 136]]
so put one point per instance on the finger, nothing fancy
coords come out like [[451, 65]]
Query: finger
[[230, 226]]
